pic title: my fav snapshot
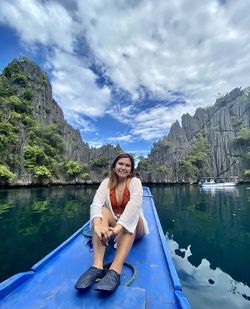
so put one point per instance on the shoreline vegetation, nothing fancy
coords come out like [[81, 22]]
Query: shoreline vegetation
[[39, 148], [93, 184]]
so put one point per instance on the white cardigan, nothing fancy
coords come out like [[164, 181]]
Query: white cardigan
[[133, 210]]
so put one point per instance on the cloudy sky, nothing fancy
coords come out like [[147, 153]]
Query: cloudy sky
[[123, 71]]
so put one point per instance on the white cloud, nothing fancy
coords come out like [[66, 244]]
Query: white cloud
[[47, 23], [139, 152], [74, 86], [155, 122], [122, 138], [147, 48], [96, 144], [200, 50], [50, 24], [80, 123]]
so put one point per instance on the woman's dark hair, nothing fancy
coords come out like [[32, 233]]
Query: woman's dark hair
[[113, 180]]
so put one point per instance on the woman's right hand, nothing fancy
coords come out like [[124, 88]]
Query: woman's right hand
[[101, 231]]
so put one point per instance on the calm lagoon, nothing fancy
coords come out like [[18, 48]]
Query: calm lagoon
[[208, 233], [207, 230]]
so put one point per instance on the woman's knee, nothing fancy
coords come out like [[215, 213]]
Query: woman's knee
[[107, 216], [140, 230], [106, 211]]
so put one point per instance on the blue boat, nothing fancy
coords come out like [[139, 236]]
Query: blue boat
[[50, 283]]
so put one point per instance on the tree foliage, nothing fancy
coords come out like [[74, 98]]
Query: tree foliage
[[27, 94], [166, 144], [244, 135], [247, 173], [34, 156], [195, 162], [100, 162], [25, 141], [143, 164], [86, 176], [163, 169], [42, 172], [73, 168], [5, 173]]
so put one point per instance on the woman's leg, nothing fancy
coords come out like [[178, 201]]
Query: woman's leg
[[125, 241], [96, 270], [140, 230], [98, 246]]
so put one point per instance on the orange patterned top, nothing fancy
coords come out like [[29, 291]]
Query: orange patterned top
[[118, 209]]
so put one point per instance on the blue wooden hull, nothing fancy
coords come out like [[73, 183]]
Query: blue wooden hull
[[50, 283]]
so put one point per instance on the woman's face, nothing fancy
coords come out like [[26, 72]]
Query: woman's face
[[123, 168]]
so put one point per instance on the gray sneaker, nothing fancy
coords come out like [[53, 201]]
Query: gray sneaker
[[109, 283], [89, 277]]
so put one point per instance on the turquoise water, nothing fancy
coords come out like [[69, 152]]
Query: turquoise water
[[35, 221], [208, 233]]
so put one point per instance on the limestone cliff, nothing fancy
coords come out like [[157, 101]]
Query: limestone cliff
[[215, 141], [34, 133]]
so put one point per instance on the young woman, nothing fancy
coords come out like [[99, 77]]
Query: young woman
[[116, 211]]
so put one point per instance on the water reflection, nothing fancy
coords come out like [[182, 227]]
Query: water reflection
[[206, 287], [216, 225], [4, 207], [37, 220], [214, 190]]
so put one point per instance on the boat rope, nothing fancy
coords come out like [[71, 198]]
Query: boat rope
[[132, 279], [86, 231]]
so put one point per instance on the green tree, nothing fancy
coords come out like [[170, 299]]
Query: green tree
[[5, 88], [20, 79], [86, 176], [7, 72], [25, 59], [244, 135], [85, 167], [100, 162], [44, 75], [163, 169], [18, 104], [166, 144], [143, 164], [247, 173], [73, 168], [8, 137], [5, 173], [34, 156], [42, 172], [188, 167], [27, 94], [195, 163], [11, 69]]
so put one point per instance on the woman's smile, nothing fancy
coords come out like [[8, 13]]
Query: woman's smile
[[123, 167]]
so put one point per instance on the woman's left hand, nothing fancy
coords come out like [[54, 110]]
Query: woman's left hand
[[110, 233], [113, 231]]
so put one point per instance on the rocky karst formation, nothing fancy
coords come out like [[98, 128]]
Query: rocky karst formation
[[33, 121], [215, 141]]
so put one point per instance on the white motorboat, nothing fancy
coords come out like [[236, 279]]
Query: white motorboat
[[218, 182]]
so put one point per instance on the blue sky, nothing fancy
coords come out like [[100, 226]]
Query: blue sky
[[123, 71]]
